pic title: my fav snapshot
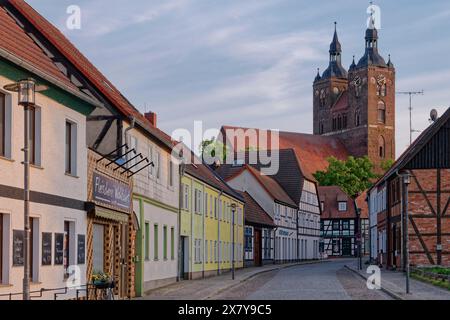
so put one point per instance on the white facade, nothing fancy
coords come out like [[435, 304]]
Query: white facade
[[57, 200], [378, 238], [309, 222], [285, 243], [156, 203]]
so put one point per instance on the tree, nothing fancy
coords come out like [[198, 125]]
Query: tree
[[214, 149], [386, 164], [354, 175]]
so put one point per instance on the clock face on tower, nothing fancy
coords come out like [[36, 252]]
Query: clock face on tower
[[357, 82]]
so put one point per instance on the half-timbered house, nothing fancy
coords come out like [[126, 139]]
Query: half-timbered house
[[418, 187]]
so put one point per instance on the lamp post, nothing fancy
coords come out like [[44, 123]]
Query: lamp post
[[359, 235], [406, 182], [26, 90], [233, 210]]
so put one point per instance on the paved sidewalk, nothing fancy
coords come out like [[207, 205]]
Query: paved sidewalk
[[205, 289], [394, 283]]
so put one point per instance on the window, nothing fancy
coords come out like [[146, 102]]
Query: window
[[322, 205], [98, 241], [170, 170], [215, 251], [381, 112], [155, 242], [71, 148], [336, 226], [186, 197], [67, 254], [197, 201], [158, 165], [150, 158], [339, 122], [2, 125], [342, 206], [334, 124], [1, 248], [357, 118], [248, 239], [172, 243], [212, 251], [381, 147], [210, 206], [344, 121], [206, 251], [215, 208], [165, 242], [206, 205], [147, 241], [35, 136]]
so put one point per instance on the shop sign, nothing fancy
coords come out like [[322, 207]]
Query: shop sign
[[111, 192]]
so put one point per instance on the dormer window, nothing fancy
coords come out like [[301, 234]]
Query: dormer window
[[342, 206]]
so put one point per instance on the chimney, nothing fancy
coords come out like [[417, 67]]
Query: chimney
[[152, 118]]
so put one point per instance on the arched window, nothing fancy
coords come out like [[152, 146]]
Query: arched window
[[381, 147], [334, 124], [323, 98], [357, 118], [339, 125], [344, 121], [321, 127], [381, 112]]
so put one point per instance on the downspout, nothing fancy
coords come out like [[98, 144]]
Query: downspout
[[131, 127], [219, 216], [180, 197]]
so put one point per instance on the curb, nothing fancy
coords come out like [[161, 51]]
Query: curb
[[280, 267], [387, 291]]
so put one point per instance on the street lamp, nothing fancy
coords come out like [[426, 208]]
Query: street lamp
[[406, 182], [233, 210], [359, 239], [26, 90]]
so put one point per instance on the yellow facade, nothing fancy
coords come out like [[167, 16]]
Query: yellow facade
[[206, 229]]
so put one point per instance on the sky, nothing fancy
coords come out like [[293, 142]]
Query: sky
[[251, 63]]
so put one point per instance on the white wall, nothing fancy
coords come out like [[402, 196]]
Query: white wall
[[48, 178]]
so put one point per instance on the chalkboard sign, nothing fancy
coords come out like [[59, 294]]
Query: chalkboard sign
[[18, 242], [46, 249], [59, 248], [81, 248]]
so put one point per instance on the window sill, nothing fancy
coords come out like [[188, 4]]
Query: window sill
[[35, 166], [7, 159], [6, 285], [72, 176], [37, 283]]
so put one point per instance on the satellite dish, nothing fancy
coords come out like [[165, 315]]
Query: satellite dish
[[433, 115]]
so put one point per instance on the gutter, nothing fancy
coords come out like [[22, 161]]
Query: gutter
[[29, 67]]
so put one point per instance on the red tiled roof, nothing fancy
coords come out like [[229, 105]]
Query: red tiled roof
[[16, 42], [312, 151], [71, 53], [268, 183], [254, 214], [341, 103], [331, 195], [204, 173]]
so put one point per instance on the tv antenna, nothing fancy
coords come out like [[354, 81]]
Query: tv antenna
[[411, 94]]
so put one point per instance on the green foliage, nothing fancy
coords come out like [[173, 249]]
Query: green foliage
[[354, 175], [387, 164], [214, 149]]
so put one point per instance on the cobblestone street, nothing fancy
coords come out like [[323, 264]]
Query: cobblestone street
[[328, 280]]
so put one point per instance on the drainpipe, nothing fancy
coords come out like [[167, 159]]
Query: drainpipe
[[131, 127], [219, 215]]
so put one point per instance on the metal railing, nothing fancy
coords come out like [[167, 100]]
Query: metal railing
[[38, 294]]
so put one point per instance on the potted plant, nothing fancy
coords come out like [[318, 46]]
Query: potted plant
[[101, 280]]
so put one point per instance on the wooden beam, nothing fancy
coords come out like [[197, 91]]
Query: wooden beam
[[424, 246], [424, 194]]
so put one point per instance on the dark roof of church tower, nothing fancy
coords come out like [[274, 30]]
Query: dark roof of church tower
[[371, 56], [390, 64], [335, 46], [335, 68], [353, 65], [318, 77]]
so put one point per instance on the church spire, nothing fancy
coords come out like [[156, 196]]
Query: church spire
[[335, 68], [371, 56]]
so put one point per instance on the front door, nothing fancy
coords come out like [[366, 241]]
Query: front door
[[346, 246], [257, 247]]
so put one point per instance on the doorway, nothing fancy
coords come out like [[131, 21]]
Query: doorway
[[347, 247]]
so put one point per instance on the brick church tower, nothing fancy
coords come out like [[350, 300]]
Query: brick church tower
[[358, 106]]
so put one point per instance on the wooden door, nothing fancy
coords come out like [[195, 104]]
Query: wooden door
[[257, 247], [1, 248]]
